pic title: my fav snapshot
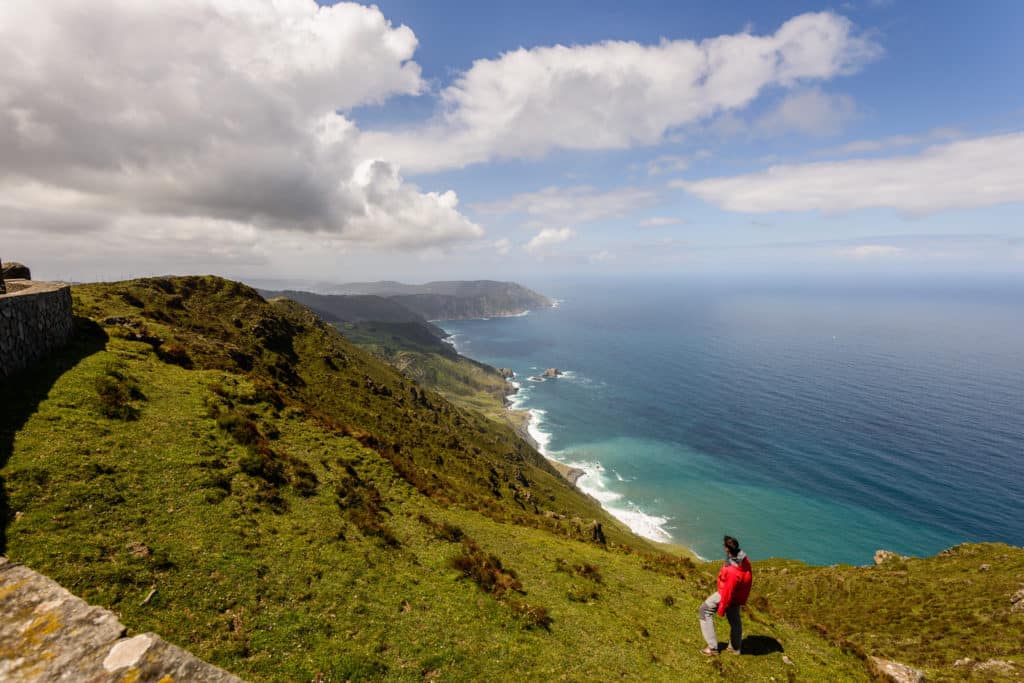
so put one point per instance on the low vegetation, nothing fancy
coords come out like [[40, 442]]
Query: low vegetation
[[291, 508], [927, 612]]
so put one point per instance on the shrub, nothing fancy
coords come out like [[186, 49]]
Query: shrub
[[263, 463], [485, 570], [304, 479], [587, 571], [175, 354], [443, 531], [362, 504], [116, 392], [241, 428], [582, 595], [532, 616]]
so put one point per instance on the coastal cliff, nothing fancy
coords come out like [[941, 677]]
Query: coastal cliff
[[455, 300], [234, 474]]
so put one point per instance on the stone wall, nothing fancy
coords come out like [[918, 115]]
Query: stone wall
[[35, 319], [48, 634]]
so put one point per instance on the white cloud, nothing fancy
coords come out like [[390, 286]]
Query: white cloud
[[213, 116], [549, 237], [667, 163], [892, 142], [809, 111], [569, 205], [660, 222], [872, 250], [616, 94], [502, 246], [964, 174], [602, 256]]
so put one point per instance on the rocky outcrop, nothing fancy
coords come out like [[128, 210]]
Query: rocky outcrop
[[551, 373], [506, 373], [48, 634], [883, 556], [35, 319], [12, 270], [991, 667], [894, 672], [1017, 601]]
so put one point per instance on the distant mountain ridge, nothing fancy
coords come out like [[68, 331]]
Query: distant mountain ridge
[[353, 307], [454, 299]]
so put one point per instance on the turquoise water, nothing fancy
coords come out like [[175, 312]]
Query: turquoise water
[[816, 421]]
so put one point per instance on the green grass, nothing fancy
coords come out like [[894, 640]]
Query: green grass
[[434, 364], [304, 510], [926, 612]]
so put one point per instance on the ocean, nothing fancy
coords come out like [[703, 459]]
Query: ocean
[[818, 421]]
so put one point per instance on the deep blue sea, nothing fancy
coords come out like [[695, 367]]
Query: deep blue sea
[[818, 421]]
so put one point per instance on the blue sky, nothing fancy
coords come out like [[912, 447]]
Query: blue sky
[[412, 140], [944, 73]]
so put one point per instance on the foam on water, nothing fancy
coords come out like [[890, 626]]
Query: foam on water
[[542, 437], [712, 410], [595, 483]]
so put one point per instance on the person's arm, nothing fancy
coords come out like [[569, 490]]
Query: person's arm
[[725, 589]]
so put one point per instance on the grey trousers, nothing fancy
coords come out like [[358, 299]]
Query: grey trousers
[[706, 614]]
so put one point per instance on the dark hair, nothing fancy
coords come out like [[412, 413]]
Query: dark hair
[[732, 545]]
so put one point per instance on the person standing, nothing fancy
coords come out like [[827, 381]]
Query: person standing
[[734, 581]]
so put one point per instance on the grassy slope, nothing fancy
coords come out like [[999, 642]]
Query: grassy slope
[[291, 516], [927, 612], [435, 365]]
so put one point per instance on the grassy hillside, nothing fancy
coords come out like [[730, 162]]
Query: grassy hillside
[[353, 307], [236, 476], [414, 346], [926, 612], [435, 364]]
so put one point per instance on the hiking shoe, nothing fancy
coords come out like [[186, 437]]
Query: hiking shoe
[[709, 652], [731, 650]]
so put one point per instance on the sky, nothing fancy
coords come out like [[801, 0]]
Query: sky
[[410, 140]]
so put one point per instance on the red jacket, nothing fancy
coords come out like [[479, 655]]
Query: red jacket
[[734, 584]]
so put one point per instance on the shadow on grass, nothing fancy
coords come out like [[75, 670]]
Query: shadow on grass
[[760, 645], [21, 394]]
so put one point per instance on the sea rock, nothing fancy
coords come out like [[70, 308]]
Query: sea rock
[[551, 372], [894, 672], [12, 270], [882, 556]]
